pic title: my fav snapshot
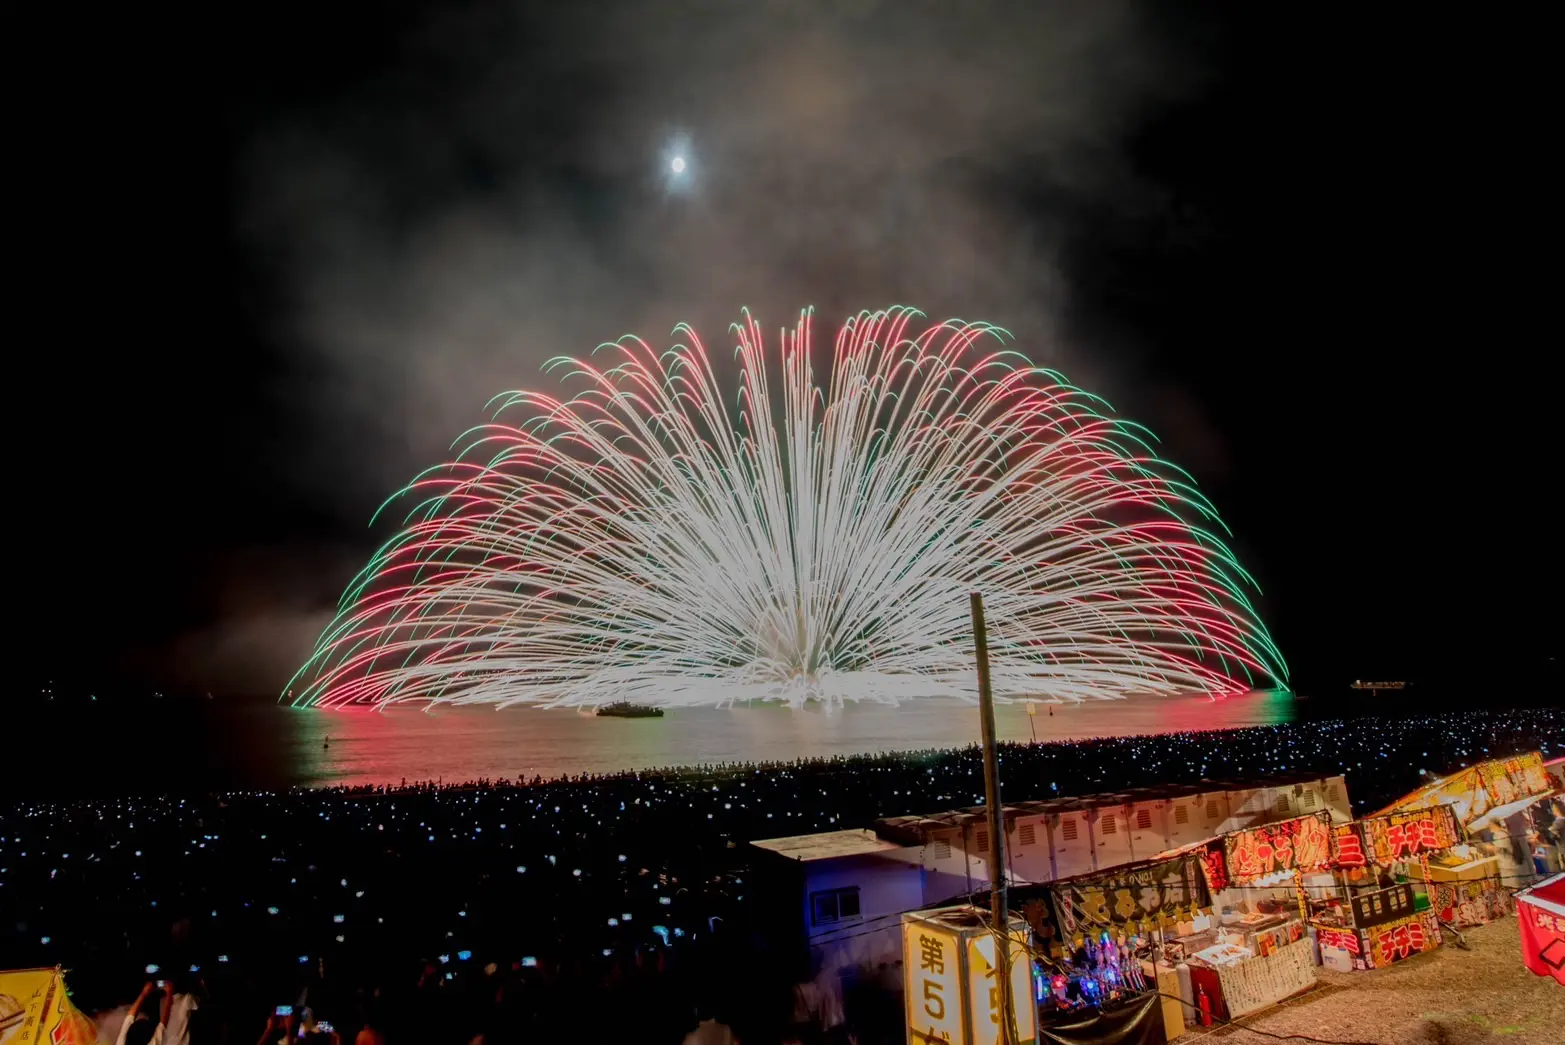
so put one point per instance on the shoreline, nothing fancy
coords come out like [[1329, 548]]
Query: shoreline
[[1083, 760]]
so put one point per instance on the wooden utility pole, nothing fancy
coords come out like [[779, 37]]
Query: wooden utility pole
[[1001, 925]]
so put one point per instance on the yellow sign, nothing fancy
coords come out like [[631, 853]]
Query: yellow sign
[[984, 991], [932, 966], [948, 958], [34, 1010], [1481, 788]]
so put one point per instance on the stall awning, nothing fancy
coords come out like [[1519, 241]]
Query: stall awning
[[1482, 790], [1499, 813], [1540, 911]]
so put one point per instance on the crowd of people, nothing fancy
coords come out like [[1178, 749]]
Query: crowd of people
[[595, 908]]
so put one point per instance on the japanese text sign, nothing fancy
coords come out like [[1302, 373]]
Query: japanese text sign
[[1303, 842], [1406, 836], [1412, 935], [35, 1009], [1347, 846], [932, 964]]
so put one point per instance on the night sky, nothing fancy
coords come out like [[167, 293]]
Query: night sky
[[274, 257]]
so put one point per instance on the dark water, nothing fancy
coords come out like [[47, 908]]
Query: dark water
[[228, 744]]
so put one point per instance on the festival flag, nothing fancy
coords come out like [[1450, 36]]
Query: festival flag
[[36, 1010]]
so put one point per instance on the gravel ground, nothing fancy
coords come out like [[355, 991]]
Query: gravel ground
[[1447, 997]]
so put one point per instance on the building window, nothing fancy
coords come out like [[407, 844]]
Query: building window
[[981, 840], [1143, 819], [1068, 829], [834, 905], [1181, 815], [1309, 800], [1333, 795], [1108, 824], [1282, 803], [941, 850], [1211, 809], [1027, 833]]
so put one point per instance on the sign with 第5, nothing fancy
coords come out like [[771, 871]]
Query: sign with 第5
[[932, 967], [953, 991]]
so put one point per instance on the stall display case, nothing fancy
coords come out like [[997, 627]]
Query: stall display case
[[1374, 929], [1465, 887]]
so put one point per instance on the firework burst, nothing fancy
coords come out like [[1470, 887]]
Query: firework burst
[[659, 540]]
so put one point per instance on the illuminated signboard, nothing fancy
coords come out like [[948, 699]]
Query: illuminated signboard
[[1382, 907], [1408, 835], [952, 994], [35, 1007], [1478, 790], [932, 964], [984, 990], [1402, 939], [1303, 842], [1136, 899], [1347, 846], [1510, 779]]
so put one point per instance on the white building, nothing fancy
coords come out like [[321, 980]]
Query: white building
[[848, 889], [1061, 837]]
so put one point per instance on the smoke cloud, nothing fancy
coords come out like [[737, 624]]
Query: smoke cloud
[[498, 192]]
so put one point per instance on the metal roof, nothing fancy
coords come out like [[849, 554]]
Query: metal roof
[[827, 845], [915, 829]]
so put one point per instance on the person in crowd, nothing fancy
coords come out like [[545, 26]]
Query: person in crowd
[[279, 1030], [510, 908], [183, 1009], [313, 1032], [1540, 854], [145, 1022]]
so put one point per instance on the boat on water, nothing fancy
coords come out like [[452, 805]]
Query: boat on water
[[625, 709]]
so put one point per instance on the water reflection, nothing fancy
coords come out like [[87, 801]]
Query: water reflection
[[368, 747]]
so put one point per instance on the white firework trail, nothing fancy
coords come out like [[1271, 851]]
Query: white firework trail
[[641, 541]]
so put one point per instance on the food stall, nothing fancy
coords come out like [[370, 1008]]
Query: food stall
[[1494, 804], [1465, 886], [1377, 917], [1256, 952], [1374, 929], [1103, 935], [1541, 911], [1462, 883]]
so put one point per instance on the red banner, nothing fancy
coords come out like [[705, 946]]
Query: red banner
[[1347, 846], [1215, 867], [1303, 842]]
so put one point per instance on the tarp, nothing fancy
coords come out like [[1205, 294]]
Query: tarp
[[1480, 789], [1139, 1021], [1541, 912], [35, 1010]]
